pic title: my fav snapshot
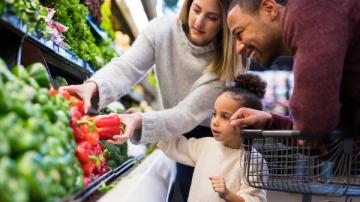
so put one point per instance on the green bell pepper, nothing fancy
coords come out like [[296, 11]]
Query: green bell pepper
[[39, 73], [12, 187]]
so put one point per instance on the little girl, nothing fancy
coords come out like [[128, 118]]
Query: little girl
[[218, 174]]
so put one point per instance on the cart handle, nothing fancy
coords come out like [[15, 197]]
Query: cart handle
[[337, 133]]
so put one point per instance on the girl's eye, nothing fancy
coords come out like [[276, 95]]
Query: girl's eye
[[226, 117], [213, 114]]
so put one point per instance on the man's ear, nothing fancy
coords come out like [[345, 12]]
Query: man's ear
[[270, 8]]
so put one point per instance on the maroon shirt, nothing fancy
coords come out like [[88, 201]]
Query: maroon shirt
[[324, 36]]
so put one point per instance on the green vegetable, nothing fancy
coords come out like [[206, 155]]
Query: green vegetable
[[42, 96], [2, 8], [30, 13], [115, 154], [39, 73], [12, 187], [73, 14], [4, 108], [35, 133], [60, 81], [21, 73], [22, 139], [5, 149], [30, 167], [105, 188], [5, 74], [106, 23]]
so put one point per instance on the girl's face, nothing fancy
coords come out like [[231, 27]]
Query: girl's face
[[205, 21], [225, 106]]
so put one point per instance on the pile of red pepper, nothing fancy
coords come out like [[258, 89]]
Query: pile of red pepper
[[88, 131]]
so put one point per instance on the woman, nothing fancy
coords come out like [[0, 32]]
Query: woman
[[188, 53]]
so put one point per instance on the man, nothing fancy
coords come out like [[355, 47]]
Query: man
[[324, 38]]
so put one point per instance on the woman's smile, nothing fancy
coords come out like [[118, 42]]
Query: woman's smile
[[198, 31]]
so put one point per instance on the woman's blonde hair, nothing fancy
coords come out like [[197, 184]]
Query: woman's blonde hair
[[225, 62]]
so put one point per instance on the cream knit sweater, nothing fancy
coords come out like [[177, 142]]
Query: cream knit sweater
[[210, 158], [187, 95]]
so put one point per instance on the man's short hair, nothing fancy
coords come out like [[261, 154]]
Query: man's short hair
[[252, 5]]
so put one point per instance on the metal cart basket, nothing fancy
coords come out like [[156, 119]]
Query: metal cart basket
[[286, 160]]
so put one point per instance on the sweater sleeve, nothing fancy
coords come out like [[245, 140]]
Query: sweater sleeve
[[319, 53], [181, 150], [258, 169], [183, 117], [280, 122], [117, 77]]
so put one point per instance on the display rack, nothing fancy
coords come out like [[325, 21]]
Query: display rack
[[92, 191], [63, 60]]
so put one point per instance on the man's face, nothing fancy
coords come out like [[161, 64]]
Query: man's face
[[259, 32]]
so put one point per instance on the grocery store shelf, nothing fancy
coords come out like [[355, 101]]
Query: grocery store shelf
[[95, 29], [64, 60]]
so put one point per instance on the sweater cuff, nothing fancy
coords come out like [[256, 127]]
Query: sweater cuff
[[150, 125], [280, 122], [100, 86]]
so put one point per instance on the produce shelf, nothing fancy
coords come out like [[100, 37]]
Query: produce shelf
[[64, 60], [91, 192]]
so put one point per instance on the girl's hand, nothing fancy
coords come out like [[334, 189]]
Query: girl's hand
[[219, 186], [132, 122], [84, 91]]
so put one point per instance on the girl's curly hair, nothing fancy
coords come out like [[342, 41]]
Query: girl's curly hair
[[248, 89]]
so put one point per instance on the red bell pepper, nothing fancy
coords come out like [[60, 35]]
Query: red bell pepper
[[65, 94], [83, 150], [110, 120], [97, 150], [88, 167], [107, 133], [108, 126], [53, 92], [86, 131]]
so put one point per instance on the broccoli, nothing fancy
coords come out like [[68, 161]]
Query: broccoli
[[114, 154]]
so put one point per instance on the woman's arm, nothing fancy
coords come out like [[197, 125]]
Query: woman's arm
[[117, 77], [183, 117]]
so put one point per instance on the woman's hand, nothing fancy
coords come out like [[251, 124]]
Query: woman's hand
[[219, 186], [84, 91], [245, 117], [132, 122]]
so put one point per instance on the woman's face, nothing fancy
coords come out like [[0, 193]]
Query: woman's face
[[225, 106], [205, 21]]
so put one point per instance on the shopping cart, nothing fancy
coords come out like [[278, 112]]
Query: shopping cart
[[288, 161]]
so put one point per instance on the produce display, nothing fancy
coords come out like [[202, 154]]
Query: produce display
[[88, 131], [49, 148], [73, 14], [36, 142], [106, 23], [42, 129], [69, 29], [30, 12]]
